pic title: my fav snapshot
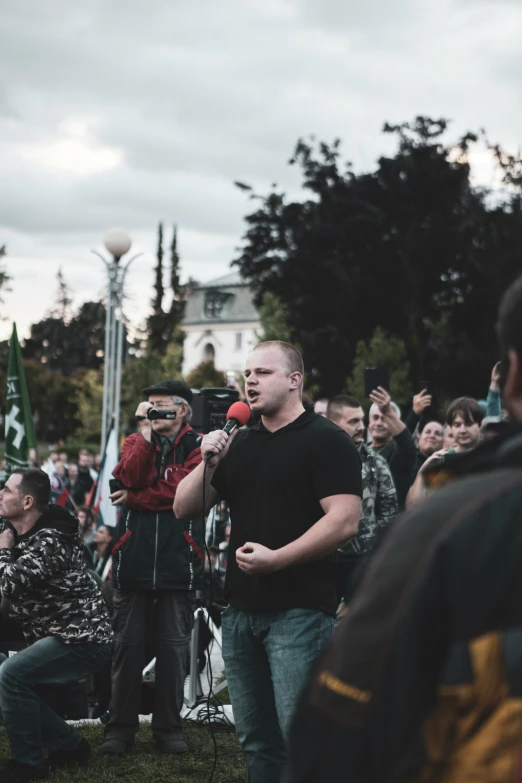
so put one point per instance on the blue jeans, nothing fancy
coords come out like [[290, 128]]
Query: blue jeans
[[268, 657], [30, 724]]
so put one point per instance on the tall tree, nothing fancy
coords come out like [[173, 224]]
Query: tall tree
[[157, 322], [164, 327], [411, 247], [177, 306], [159, 290], [205, 375], [63, 303], [382, 350], [273, 319], [66, 346]]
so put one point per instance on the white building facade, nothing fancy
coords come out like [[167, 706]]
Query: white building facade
[[220, 323]]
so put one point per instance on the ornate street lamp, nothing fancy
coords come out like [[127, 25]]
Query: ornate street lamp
[[118, 243]]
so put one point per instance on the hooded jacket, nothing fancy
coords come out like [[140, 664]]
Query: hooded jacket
[[49, 588], [153, 549]]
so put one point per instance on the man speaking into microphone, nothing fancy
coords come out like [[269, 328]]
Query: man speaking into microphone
[[293, 485]]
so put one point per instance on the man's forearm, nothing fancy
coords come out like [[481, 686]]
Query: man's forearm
[[395, 425], [323, 538], [137, 469], [188, 502], [494, 403]]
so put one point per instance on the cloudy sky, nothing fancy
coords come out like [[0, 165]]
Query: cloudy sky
[[121, 113]]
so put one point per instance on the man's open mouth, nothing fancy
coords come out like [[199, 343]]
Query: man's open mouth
[[252, 395]]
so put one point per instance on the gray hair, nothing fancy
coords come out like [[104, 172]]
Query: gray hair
[[395, 408], [188, 417]]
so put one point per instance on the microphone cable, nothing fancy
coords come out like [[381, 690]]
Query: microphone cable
[[213, 708], [210, 674]]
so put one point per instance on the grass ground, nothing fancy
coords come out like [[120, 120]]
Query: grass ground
[[146, 765]]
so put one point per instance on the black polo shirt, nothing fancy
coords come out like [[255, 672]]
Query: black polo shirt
[[273, 483]]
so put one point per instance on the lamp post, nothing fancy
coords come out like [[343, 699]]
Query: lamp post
[[118, 243]]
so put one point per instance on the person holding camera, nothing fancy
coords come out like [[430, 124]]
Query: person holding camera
[[157, 563]]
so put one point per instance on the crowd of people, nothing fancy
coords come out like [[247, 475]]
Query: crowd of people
[[314, 518], [400, 458]]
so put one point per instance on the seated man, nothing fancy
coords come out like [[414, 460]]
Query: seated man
[[63, 617]]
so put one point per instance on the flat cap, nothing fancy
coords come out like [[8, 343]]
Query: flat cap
[[171, 388]]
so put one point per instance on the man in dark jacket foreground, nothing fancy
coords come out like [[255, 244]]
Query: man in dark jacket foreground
[[157, 564], [63, 616], [423, 680]]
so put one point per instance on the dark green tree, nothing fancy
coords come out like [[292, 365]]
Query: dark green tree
[[159, 290], [157, 322], [177, 306], [87, 329], [66, 346], [52, 401], [273, 319], [63, 303], [411, 247], [382, 350], [205, 375], [164, 326]]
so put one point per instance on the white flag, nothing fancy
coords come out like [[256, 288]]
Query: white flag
[[108, 514]]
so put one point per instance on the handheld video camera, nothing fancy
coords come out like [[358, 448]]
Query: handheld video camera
[[161, 413]]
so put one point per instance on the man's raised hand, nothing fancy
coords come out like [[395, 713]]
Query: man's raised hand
[[144, 424], [496, 376], [382, 399], [422, 401]]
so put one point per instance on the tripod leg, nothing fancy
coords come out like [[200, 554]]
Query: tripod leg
[[194, 684]]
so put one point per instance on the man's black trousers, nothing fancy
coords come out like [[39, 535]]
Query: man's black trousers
[[170, 614]]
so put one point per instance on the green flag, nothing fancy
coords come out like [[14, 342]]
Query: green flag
[[19, 426]]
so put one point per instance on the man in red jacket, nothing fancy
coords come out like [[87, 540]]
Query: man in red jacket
[[157, 563]]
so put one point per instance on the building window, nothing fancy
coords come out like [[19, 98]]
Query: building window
[[239, 340], [209, 353], [215, 302]]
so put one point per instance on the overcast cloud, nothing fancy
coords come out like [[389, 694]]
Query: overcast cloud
[[124, 113]]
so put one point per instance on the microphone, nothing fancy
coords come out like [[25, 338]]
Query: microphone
[[237, 416]]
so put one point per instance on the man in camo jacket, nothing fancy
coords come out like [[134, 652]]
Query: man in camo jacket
[[48, 591], [379, 501]]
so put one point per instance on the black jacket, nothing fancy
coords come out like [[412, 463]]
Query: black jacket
[[449, 571]]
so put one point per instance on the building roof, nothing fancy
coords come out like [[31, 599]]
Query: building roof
[[236, 297], [232, 278]]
